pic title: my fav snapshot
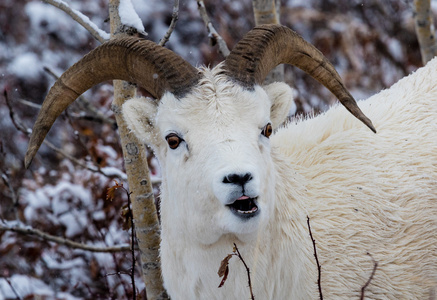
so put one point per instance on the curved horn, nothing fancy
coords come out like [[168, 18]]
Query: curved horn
[[139, 61], [267, 46]]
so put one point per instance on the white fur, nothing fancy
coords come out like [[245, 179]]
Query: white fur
[[363, 192]]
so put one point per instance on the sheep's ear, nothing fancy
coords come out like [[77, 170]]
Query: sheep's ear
[[281, 95], [139, 115]]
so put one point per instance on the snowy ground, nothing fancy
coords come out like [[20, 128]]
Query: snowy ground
[[371, 43]]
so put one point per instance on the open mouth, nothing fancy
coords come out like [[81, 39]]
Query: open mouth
[[244, 207]]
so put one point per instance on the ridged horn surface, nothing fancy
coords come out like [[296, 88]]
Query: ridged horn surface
[[139, 61], [267, 46]]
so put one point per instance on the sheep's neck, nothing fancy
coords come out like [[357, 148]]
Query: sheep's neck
[[277, 242]]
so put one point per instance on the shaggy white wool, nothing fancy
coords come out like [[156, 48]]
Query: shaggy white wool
[[370, 193]]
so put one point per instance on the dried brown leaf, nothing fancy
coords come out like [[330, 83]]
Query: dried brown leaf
[[225, 276], [110, 194], [224, 269], [224, 265]]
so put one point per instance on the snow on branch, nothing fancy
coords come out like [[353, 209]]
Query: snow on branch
[[83, 20], [129, 17]]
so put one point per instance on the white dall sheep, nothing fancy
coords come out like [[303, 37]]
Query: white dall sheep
[[227, 179]]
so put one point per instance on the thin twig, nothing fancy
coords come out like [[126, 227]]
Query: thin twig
[[117, 273], [319, 268], [132, 247], [213, 34], [17, 123], [14, 197], [80, 18], [174, 19], [247, 270], [12, 288], [62, 241], [132, 224], [28, 103], [224, 269], [7, 181], [375, 265], [110, 196]]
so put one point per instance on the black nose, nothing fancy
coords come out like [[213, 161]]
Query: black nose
[[239, 179]]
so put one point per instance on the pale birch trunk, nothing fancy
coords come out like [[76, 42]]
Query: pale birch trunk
[[268, 12], [143, 205], [425, 31]]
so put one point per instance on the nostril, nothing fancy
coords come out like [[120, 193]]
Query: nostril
[[247, 177], [240, 179]]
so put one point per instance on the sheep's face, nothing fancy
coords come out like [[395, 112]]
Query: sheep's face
[[214, 150]]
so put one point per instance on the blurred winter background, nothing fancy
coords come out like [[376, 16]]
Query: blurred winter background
[[372, 43]]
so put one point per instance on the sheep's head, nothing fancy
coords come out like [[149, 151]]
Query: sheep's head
[[214, 151], [210, 128]]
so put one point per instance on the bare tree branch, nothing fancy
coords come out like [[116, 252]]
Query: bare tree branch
[[143, 202], [62, 241], [80, 18], [319, 268], [213, 34], [28, 103], [174, 19], [425, 29]]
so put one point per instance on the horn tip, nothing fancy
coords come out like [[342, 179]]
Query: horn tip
[[368, 123], [372, 128], [30, 154]]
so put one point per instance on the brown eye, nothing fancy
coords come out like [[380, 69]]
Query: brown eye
[[267, 130], [173, 140]]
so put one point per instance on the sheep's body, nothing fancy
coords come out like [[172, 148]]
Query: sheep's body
[[364, 193], [369, 193]]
